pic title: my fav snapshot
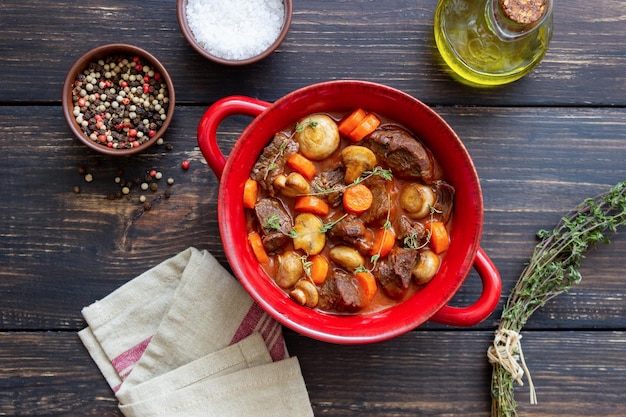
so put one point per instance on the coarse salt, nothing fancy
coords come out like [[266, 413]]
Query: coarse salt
[[235, 29]]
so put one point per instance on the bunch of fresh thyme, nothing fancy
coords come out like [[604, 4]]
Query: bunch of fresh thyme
[[552, 270]]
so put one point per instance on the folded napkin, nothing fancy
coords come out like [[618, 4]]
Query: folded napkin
[[185, 339]]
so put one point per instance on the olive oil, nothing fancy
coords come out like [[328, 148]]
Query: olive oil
[[486, 43]]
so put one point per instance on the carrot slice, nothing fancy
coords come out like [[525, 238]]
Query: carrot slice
[[250, 193], [367, 286], [351, 121], [257, 247], [364, 128], [311, 204], [319, 269], [357, 199], [439, 239], [384, 240], [301, 164]]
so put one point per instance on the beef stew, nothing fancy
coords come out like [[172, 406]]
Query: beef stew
[[348, 219]]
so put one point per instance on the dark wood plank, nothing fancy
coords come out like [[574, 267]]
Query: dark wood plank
[[59, 251], [434, 373], [389, 42], [51, 374]]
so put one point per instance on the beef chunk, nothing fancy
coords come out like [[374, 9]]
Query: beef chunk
[[403, 153], [381, 205], [275, 241], [340, 292], [407, 228], [445, 200], [273, 160], [330, 180], [352, 231], [394, 272], [349, 227], [275, 223]]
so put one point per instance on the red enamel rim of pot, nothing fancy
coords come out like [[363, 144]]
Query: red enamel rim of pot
[[464, 253]]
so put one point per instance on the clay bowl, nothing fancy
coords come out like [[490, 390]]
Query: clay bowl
[[431, 303], [246, 43], [155, 80]]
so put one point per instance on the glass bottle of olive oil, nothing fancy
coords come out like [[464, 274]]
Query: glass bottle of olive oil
[[493, 42]]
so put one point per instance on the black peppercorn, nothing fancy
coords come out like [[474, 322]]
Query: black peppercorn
[[100, 89]]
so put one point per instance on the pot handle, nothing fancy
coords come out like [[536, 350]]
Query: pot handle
[[211, 119], [486, 303]]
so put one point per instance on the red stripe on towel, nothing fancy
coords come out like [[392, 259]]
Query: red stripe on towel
[[277, 343], [256, 320], [127, 359], [248, 324]]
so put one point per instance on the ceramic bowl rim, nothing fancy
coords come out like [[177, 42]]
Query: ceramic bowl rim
[[190, 38]]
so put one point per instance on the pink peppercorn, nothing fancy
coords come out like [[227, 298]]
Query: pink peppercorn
[[111, 130], [185, 164]]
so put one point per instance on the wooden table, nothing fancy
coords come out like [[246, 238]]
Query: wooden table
[[540, 145]]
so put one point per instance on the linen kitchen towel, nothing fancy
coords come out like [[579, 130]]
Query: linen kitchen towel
[[187, 336]]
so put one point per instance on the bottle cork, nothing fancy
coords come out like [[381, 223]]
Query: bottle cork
[[523, 11]]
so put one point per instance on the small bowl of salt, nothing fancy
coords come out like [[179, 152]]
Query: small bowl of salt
[[234, 32]]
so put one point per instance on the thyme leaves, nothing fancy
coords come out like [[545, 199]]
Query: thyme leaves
[[309, 123], [272, 223], [552, 270], [386, 174]]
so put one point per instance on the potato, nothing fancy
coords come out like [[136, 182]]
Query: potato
[[318, 136], [308, 233]]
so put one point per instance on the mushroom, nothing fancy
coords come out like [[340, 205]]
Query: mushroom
[[308, 233], [292, 185], [318, 136], [417, 200], [346, 257], [290, 269], [305, 293], [426, 267], [357, 159]]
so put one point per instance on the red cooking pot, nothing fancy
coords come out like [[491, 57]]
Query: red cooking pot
[[464, 252]]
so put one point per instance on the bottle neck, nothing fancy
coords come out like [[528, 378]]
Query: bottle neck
[[512, 19]]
